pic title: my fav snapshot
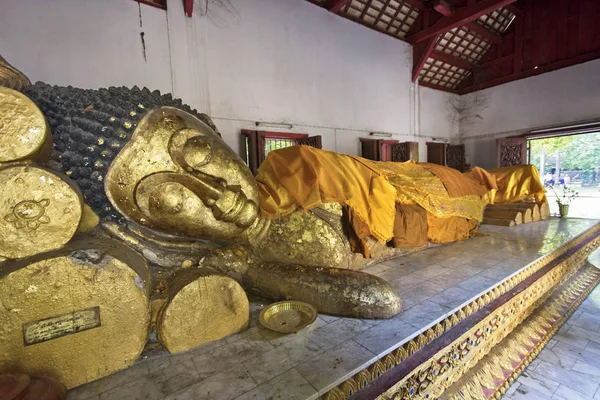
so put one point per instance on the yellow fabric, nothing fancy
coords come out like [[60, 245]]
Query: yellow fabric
[[410, 226], [305, 177], [486, 179], [302, 176], [518, 183], [416, 185], [447, 230], [456, 183]]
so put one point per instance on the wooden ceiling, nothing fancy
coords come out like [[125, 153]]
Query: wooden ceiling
[[461, 46]]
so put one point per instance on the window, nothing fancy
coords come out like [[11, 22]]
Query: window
[[258, 144], [154, 3]]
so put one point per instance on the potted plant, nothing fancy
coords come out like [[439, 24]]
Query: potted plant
[[563, 200]]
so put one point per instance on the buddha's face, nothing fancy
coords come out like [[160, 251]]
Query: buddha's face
[[178, 176]]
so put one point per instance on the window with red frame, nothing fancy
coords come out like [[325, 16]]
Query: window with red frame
[[154, 3], [258, 144]]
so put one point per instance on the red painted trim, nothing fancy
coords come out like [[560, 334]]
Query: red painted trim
[[532, 72], [484, 32], [189, 7], [461, 17], [423, 58], [443, 89], [335, 6], [452, 60], [285, 135]]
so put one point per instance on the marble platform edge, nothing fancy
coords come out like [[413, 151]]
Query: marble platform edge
[[445, 322], [530, 330]]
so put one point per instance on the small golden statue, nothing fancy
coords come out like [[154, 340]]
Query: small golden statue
[[124, 210]]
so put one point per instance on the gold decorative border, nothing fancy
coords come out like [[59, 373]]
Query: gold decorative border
[[433, 376], [494, 374]]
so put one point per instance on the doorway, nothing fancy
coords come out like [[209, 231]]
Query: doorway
[[571, 161]]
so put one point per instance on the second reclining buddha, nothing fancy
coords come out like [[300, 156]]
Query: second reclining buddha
[[128, 178]]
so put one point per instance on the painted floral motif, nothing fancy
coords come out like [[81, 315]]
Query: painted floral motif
[[29, 213]]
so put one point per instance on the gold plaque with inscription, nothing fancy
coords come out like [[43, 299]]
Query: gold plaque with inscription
[[61, 325], [75, 314]]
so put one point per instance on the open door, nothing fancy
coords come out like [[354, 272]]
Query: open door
[[512, 151]]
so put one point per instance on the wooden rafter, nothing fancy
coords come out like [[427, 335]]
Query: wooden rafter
[[484, 32], [514, 9], [460, 17], [452, 60], [420, 55], [532, 72], [429, 85], [518, 46], [497, 61], [443, 7], [418, 4], [336, 5]]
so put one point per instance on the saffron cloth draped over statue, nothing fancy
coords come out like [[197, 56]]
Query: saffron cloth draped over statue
[[445, 202]]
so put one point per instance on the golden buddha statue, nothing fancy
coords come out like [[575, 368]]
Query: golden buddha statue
[[124, 212]]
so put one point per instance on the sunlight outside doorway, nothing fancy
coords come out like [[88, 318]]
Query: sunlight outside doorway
[[573, 161]]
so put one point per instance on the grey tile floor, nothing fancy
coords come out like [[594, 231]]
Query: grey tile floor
[[569, 366], [261, 364]]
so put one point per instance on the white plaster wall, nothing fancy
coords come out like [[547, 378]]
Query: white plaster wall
[[560, 97], [438, 117], [86, 43], [277, 61], [239, 61]]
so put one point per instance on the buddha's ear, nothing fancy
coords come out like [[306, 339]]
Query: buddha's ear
[[208, 121]]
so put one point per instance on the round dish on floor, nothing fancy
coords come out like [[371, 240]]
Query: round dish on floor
[[287, 316]]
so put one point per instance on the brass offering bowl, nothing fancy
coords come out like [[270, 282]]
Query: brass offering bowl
[[287, 316]]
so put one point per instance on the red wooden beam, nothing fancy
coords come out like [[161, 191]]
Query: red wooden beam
[[443, 7], [461, 17], [189, 7], [532, 72], [518, 52], [484, 32], [514, 9], [336, 5], [562, 24], [418, 4], [420, 59], [497, 61], [444, 89], [452, 60]]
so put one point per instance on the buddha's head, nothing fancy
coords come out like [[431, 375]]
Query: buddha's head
[[176, 175]]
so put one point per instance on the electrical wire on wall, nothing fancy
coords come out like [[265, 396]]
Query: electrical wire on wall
[[142, 32]]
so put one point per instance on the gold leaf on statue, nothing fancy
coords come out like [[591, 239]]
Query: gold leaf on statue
[[40, 211], [24, 134], [75, 314], [203, 306]]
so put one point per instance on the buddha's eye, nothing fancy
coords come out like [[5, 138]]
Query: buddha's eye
[[167, 198], [197, 152]]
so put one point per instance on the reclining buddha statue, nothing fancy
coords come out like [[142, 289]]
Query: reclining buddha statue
[[124, 212]]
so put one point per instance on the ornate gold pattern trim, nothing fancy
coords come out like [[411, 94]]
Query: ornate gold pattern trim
[[432, 377], [494, 374]]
